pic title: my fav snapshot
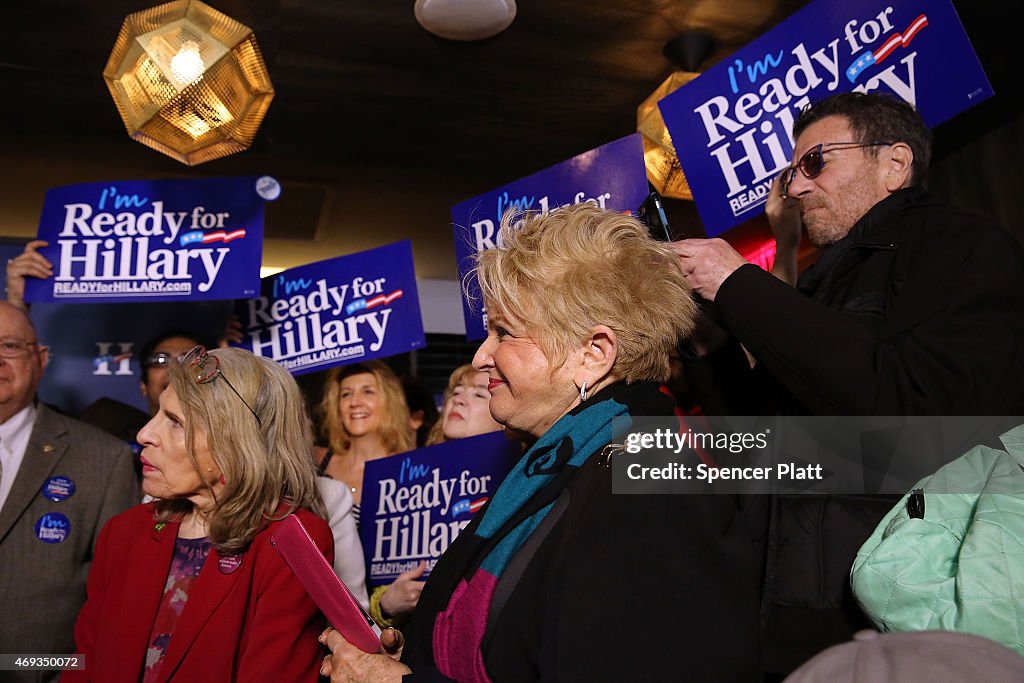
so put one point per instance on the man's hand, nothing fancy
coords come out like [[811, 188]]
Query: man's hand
[[784, 218], [706, 264], [29, 263]]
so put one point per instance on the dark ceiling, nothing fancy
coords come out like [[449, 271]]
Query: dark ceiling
[[362, 84], [373, 111]]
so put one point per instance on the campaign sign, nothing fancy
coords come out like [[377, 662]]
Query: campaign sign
[[732, 126], [337, 311], [416, 503], [612, 176], [151, 240], [94, 352]]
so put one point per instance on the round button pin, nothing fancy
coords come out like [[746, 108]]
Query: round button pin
[[58, 489], [268, 188], [229, 563], [53, 527]]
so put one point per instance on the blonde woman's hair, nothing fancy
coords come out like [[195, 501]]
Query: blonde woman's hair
[[457, 377], [264, 463], [562, 274], [395, 432]]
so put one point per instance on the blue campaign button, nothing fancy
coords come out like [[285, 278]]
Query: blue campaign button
[[58, 489], [53, 527]]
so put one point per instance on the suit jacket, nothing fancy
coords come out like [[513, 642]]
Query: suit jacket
[[42, 585], [255, 623]]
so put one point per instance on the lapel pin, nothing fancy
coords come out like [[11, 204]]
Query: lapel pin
[[229, 563], [48, 448], [53, 527], [58, 488]]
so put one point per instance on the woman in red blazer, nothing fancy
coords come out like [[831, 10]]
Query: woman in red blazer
[[188, 587]]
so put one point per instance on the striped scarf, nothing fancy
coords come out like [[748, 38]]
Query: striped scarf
[[518, 507]]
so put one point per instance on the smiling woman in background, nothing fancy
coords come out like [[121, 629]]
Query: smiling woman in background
[[364, 418], [555, 577], [188, 587]]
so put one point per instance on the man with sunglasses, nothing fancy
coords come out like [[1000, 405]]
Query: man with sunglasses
[[913, 308], [60, 480]]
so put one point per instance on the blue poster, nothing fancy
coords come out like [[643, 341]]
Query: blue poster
[[416, 503], [731, 126], [612, 176], [338, 311], [153, 240], [94, 351]]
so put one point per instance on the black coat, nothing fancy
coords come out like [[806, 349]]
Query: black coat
[[918, 311], [612, 587]]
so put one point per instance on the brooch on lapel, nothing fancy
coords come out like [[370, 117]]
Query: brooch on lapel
[[229, 563]]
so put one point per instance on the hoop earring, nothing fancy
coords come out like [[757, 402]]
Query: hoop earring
[[583, 392]]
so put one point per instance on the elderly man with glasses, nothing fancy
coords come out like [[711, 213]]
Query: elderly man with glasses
[[912, 308], [60, 480]]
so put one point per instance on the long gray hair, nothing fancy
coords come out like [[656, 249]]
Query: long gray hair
[[264, 462]]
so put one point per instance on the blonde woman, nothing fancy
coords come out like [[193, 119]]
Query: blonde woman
[[188, 587], [364, 418], [466, 411], [545, 583]]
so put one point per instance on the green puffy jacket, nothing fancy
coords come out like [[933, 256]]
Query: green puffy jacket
[[961, 566]]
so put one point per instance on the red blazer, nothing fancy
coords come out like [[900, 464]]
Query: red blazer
[[256, 623]]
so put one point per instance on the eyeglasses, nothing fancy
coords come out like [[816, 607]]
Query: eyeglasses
[[812, 163], [161, 359], [206, 368], [15, 348]]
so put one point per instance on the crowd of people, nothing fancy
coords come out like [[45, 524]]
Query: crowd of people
[[913, 307]]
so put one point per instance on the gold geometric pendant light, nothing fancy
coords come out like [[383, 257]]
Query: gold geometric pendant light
[[189, 81], [663, 169]]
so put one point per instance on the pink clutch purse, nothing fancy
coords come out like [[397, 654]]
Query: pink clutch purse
[[329, 592]]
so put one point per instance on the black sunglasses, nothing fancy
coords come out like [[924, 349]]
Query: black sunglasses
[[812, 163]]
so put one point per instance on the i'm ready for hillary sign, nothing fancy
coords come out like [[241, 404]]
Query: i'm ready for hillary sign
[[732, 126], [415, 504], [153, 240], [337, 311], [612, 176]]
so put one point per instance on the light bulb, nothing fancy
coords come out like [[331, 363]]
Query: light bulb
[[187, 65]]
